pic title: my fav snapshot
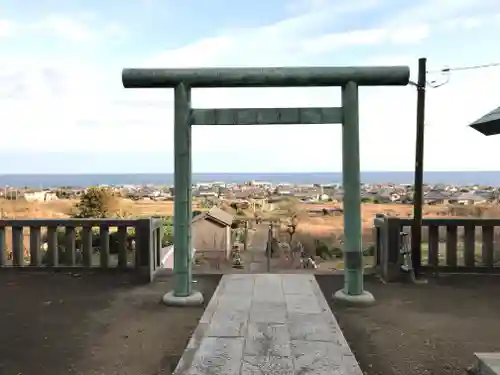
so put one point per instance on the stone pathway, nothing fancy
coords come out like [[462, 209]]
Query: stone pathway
[[257, 248], [267, 324]]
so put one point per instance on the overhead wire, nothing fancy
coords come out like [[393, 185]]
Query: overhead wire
[[447, 70], [446, 73], [469, 67]]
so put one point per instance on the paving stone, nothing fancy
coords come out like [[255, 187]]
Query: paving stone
[[268, 282], [212, 305], [264, 339], [300, 303], [297, 284], [228, 323], [268, 312], [323, 358], [268, 295], [311, 327], [216, 356], [265, 365], [234, 302], [239, 286]]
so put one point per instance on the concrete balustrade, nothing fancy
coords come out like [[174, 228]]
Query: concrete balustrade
[[125, 244]]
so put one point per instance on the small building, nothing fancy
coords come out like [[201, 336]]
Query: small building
[[211, 233], [40, 196]]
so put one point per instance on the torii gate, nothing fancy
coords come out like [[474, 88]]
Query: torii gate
[[348, 78]]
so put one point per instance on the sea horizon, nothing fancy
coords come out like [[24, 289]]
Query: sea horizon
[[373, 177]]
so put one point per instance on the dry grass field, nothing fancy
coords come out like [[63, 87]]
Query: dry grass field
[[320, 226], [63, 208], [330, 227]]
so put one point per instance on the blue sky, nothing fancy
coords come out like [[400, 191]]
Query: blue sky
[[64, 110]]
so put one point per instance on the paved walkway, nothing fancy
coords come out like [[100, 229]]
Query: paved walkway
[[268, 325], [257, 249]]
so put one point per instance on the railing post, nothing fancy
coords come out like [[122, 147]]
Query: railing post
[[3, 249], [145, 252], [378, 234], [52, 246], [17, 246], [70, 239], [35, 245], [487, 247], [391, 266]]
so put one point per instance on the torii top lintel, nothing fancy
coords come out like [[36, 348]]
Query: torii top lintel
[[267, 77]]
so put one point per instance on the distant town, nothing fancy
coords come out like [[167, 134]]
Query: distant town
[[259, 190]]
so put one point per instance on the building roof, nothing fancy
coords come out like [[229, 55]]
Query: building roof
[[221, 215], [470, 197], [216, 214], [489, 124]]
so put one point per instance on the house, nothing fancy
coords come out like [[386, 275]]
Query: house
[[206, 192], [436, 197], [211, 233], [470, 199], [40, 196]]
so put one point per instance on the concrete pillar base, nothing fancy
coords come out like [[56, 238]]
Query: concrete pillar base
[[363, 299], [195, 299]]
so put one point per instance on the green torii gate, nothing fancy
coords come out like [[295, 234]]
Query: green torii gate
[[183, 80]]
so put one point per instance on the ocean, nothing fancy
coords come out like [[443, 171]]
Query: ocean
[[82, 180]]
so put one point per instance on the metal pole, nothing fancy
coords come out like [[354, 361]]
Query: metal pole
[[353, 269], [182, 197], [416, 237]]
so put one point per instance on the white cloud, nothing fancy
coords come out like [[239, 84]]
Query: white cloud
[[70, 105], [66, 27], [370, 37], [431, 11], [335, 8], [81, 28], [7, 28]]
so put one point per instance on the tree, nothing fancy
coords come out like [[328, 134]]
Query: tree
[[95, 203]]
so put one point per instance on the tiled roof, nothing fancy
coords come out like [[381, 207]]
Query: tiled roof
[[489, 124]]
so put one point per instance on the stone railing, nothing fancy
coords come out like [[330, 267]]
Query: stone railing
[[124, 244], [448, 244]]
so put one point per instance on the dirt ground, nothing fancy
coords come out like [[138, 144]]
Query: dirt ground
[[92, 324], [425, 329]]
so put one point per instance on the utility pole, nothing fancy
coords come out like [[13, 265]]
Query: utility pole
[[416, 236]]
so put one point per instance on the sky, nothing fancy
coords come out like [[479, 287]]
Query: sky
[[63, 108]]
